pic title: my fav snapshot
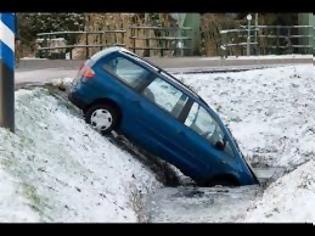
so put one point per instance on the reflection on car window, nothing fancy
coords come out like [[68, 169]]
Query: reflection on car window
[[127, 71], [202, 122], [166, 96]]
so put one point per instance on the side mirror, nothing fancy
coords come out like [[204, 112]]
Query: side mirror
[[220, 145]]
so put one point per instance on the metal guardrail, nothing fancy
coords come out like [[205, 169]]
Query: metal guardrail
[[264, 39], [47, 38], [174, 39]]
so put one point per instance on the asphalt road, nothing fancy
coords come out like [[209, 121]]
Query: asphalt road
[[40, 71], [175, 62]]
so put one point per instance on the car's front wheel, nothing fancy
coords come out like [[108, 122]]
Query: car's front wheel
[[102, 117]]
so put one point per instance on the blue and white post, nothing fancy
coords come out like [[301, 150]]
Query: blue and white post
[[7, 66]]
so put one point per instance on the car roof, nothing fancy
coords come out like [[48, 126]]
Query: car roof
[[177, 83], [107, 51]]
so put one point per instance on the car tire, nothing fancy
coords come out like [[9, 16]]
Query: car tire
[[102, 117]]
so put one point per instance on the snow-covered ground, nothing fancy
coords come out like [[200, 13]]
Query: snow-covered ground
[[55, 168], [290, 199]]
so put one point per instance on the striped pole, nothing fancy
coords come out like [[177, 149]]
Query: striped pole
[[7, 66]]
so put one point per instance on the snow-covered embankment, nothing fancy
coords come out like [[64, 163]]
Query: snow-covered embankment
[[55, 168]]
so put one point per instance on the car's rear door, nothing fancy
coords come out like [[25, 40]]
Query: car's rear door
[[159, 114], [149, 124], [121, 80]]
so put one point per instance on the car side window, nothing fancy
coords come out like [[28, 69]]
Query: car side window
[[201, 121], [127, 71], [166, 96]]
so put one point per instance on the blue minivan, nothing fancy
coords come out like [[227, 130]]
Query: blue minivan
[[118, 90]]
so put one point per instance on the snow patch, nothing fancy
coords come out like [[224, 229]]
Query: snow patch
[[289, 199]]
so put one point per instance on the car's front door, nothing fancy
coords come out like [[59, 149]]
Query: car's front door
[[206, 140]]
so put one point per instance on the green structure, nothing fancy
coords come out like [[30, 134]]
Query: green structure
[[308, 19], [191, 20]]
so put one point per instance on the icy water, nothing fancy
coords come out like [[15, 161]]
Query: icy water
[[202, 204], [193, 204]]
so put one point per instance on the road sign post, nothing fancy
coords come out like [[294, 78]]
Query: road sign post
[[7, 66]]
